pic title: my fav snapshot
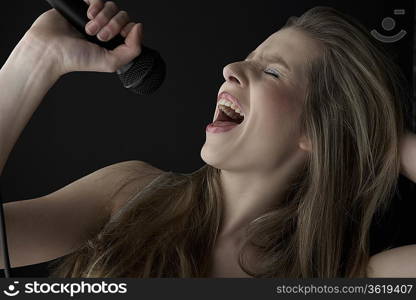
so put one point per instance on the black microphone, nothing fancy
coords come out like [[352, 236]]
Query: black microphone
[[143, 75]]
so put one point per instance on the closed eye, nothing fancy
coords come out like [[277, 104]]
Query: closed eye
[[272, 72]]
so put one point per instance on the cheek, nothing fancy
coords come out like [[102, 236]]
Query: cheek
[[280, 107]]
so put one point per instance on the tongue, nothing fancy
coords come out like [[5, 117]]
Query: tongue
[[224, 123]]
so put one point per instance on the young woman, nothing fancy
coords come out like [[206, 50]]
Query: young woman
[[306, 147]]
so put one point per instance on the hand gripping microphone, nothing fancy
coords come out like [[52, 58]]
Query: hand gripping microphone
[[143, 75]]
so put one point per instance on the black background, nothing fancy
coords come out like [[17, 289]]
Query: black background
[[87, 120]]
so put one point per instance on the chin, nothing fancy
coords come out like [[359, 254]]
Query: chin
[[217, 160], [205, 156], [210, 158]]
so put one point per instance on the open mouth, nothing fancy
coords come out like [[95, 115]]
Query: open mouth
[[229, 115]]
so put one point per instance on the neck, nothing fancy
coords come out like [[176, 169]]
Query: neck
[[248, 195]]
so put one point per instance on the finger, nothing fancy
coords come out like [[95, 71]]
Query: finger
[[131, 48], [135, 36], [114, 26], [95, 6], [126, 29], [102, 18]]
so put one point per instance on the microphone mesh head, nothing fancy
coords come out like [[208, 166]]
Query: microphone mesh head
[[145, 73]]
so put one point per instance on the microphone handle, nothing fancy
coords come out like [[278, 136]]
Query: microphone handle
[[75, 12]]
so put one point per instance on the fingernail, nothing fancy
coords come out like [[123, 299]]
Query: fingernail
[[92, 27], [103, 35]]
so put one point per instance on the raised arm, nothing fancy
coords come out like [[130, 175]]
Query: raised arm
[[46, 227], [24, 80], [51, 48]]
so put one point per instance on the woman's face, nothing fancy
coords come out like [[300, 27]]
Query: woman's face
[[270, 92]]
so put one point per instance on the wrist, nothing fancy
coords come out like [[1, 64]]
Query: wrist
[[35, 60]]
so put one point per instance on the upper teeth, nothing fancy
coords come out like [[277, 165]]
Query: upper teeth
[[232, 105]]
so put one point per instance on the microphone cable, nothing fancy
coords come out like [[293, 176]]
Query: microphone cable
[[5, 251]]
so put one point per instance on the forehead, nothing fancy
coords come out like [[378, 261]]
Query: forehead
[[295, 47]]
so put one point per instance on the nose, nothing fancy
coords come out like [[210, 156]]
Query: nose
[[230, 74]]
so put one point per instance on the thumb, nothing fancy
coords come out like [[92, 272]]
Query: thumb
[[135, 36], [131, 48]]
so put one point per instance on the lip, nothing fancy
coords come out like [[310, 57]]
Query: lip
[[228, 96]]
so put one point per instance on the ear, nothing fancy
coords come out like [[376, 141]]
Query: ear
[[305, 144]]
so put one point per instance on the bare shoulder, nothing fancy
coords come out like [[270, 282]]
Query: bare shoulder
[[131, 176], [56, 224], [130, 166], [395, 262]]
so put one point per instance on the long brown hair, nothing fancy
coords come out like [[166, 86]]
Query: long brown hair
[[353, 117]]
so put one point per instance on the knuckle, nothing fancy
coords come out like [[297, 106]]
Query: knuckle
[[113, 27], [96, 3], [110, 5], [128, 27], [109, 11], [102, 18], [116, 23], [106, 13], [100, 21], [123, 15], [121, 19]]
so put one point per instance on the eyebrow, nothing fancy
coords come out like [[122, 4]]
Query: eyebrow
[[274, 58]]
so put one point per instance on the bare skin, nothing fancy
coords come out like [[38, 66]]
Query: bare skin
[[50, 49], [43, 228], [257, 159]]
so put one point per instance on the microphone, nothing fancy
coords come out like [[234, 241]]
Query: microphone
[[143, 75]]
